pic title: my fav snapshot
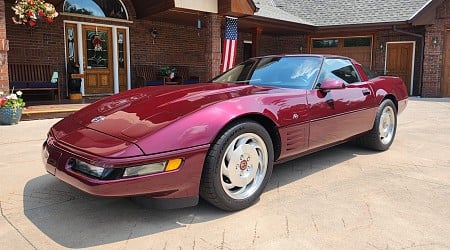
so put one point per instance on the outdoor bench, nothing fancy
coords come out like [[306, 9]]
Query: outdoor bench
[[148, 75], [33, 79]]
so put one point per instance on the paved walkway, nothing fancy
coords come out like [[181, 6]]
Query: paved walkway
[[342, 198]]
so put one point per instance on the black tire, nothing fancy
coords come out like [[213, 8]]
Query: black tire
[[377, 139], [239, 164]]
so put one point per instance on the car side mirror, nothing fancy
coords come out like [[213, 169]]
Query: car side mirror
[[329, 84]]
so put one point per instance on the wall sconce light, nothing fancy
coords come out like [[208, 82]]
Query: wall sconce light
[[434, 41], [199, 26], [381, 46], [154, 34], [300, 48]]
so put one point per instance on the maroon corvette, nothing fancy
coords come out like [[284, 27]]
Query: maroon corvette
[[170, 145]]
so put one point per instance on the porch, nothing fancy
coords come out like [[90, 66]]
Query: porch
[[54, 109]]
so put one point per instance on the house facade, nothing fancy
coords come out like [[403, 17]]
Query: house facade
[[108, 39]]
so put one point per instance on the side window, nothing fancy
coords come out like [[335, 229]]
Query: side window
[[339, 69]]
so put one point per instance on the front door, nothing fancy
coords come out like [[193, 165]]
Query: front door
[[98, 65], [399, 61]]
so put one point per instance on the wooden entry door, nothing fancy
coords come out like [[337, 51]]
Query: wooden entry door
[[98, 63], [399, 60], [445, 82]]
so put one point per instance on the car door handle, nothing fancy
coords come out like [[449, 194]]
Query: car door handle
[[366, 92]]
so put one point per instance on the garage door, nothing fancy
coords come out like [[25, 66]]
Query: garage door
[[358, 48]]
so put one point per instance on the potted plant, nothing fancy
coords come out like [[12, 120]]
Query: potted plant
[[169, 72], [11, 107], [30, 11]]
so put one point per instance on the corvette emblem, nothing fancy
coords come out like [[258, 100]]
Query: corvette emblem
[[98, 119]]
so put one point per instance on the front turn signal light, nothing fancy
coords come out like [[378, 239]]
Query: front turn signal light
[[173, 165]]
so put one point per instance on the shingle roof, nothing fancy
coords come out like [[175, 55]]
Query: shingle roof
[[335, 12], [270, 11]]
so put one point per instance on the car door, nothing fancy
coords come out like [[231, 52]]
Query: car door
[[337, 114]]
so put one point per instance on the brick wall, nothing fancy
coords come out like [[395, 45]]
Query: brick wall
[[213, 53], [200, 50], [433, 61], [175, 44], [3, 50]]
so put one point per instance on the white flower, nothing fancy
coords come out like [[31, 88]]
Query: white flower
[[19, 93], [12, 97], [1, 92]]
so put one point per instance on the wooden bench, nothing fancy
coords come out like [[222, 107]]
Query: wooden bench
[[182, 75], [33, 78], [147, 75]]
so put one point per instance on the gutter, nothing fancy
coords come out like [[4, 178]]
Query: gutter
[[422, 52]]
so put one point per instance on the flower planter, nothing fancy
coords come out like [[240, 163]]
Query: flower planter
[[9, 116]]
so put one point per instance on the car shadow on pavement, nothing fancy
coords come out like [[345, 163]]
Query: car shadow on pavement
[[75, 219]]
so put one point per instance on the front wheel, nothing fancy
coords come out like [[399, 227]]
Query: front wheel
[[384, 128], [238, 166]]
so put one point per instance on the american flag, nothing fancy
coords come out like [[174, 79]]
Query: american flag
[[229, 45]]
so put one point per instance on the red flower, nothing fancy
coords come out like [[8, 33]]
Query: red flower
[[41, 13], [31, 23], [49, 20], [2, 102], [30, 13], [31, 3]]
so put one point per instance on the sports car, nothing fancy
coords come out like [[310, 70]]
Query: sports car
[[169, 145]]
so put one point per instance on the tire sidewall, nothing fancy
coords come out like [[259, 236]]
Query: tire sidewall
[[214, 161], [383, 105]]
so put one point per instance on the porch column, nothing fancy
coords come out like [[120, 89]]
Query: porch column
[[256, 41], [213, 55], [4, 46]]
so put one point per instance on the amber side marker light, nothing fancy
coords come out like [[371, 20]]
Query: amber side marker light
[[173, 165]]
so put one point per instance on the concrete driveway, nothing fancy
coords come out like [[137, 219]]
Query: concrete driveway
[[341, 198]]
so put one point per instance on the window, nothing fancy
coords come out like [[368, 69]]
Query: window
[[369, 73], [98, 8], [298, 72], [357, 42], [339, 69], [325, 43], [97, 49]]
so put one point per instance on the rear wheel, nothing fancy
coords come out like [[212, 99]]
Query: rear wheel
[[384, 128], [237, 167]]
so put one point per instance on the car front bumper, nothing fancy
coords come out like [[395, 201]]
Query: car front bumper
[[179, 185]]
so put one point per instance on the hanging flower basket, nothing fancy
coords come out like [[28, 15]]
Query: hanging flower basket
[[10, 116], [11, 107], [31, 11]]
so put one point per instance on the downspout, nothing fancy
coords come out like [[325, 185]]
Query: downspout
[[422, 52]]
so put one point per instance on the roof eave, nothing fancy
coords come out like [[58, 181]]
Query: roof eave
[[285, 24], [362, 26], [427, 14]]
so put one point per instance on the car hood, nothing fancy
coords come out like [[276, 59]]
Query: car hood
[[140, 112]]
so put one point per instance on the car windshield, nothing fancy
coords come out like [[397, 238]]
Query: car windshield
[[286, 72]]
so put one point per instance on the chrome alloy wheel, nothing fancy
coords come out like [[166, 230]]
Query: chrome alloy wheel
[[387, 125], [244, 166]]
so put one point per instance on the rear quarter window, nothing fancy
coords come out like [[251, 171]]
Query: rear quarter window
[[369, 73]]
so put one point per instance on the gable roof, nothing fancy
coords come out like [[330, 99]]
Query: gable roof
[[325, 13]]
